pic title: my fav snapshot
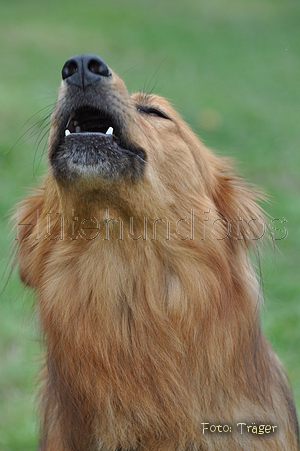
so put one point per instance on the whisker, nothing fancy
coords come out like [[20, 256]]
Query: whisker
[[31, 131], [44, 134]]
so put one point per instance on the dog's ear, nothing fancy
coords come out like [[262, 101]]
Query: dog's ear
[[27, 236], [237, 204]]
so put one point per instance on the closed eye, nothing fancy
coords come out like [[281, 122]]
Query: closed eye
[[153, 112]]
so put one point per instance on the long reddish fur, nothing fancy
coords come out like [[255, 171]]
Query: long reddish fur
[[147, 339]]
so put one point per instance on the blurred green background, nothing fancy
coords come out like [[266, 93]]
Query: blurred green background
[[231, 67]]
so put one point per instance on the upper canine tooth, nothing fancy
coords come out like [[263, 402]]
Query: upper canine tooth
[[109, 131], [67, 132]]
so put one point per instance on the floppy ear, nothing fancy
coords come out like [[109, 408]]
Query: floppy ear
[[26, 220], [237, 203]]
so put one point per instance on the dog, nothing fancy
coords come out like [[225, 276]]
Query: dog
[[137, 249]]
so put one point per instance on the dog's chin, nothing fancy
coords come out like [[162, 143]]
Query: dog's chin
[[96, 157]]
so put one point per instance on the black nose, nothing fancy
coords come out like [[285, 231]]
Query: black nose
[[84, 70]]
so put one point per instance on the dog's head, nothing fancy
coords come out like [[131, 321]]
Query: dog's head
[[134, 156], [120, 149]]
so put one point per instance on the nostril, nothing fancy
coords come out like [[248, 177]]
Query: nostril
[[97, 66], [69, 69], [84, 70]]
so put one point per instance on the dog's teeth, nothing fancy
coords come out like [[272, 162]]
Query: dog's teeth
[[77, 129], [75, 123], [67, 132], [109, 131]]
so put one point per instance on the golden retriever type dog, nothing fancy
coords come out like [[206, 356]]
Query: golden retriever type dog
[[137, 249]]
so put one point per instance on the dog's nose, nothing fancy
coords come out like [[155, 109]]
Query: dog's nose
[[84, 70]]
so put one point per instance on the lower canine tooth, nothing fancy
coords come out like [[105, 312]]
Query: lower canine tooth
[[67, 132], [110, 131]]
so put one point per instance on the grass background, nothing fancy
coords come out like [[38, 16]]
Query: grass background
[[231, 67]]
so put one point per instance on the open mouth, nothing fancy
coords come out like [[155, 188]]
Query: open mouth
[[92, 143], [89, 120], [93, 124]]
